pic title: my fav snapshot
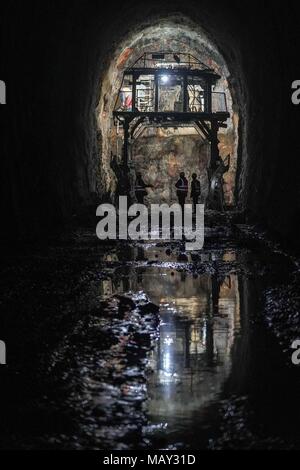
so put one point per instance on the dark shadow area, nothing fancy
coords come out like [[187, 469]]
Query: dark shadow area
[[53, 57]]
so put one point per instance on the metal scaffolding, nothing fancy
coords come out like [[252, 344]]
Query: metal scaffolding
[[170, 88]]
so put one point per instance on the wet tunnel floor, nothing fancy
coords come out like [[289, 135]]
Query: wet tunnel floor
[[143, 345]]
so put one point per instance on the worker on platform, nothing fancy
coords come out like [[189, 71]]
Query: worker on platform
[[196, 191], [182, 186], [141, 188]]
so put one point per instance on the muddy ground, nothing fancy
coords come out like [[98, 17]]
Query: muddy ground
[[143, 345]]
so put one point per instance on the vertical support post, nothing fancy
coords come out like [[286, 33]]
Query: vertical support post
[[125, 179], [185, 94], [156, 92], [126, 143], [208, 96], [215, 156], [133, 92]]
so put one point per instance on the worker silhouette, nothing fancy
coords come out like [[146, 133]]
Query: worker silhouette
[[182, 186], [216, 193], [196, 191], [141, 188], [121, 172]]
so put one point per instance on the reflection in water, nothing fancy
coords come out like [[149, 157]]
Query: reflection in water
[[193, 356], [200, 319]]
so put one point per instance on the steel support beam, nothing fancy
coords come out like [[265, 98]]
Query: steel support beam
[[203, 130], [136, 125], [214, 146]]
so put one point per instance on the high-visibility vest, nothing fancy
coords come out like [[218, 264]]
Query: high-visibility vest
[[184, 186]]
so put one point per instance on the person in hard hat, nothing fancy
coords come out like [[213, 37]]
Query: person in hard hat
[[182, 186]]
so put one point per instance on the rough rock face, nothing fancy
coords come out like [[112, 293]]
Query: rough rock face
[[161, 160], [53, 58], [161, 157]]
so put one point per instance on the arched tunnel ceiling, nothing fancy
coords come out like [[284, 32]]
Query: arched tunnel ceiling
[[176, 34], [169, 34]]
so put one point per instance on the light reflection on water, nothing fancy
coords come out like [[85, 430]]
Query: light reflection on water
[[192, 360], [200, 319]]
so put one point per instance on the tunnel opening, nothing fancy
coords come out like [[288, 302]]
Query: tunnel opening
[[160, 149]]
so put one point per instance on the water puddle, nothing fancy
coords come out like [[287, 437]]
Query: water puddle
[[208, 354], [200, 320], [192, 360], [197, 373]]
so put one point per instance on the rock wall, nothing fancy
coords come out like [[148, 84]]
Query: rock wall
[[161, 158], [160, 155]]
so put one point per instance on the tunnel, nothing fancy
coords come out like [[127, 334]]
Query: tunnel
[[68, 160], [86, 319]]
